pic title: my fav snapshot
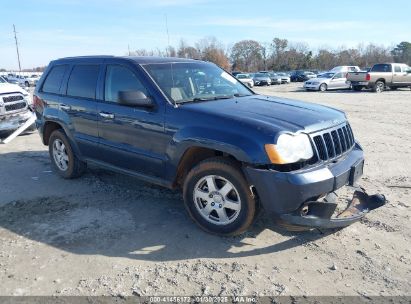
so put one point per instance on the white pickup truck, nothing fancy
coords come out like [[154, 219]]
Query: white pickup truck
[[14, 106]]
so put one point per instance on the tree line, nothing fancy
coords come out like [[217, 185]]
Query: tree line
[[282, 55], [278, 55]]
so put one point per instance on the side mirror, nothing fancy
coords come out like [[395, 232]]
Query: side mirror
[[135, 98]]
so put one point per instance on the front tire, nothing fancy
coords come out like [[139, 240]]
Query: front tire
[[218, 198], [323, 87], [63, 160]]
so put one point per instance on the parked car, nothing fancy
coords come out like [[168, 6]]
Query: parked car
[[246, 79], [285, 78], [327, 81], [301, 76], [14, 106], [261, 79], [19, 79], [345, 69], [31, 81], [188, 124], [381, 76], [275, 79]]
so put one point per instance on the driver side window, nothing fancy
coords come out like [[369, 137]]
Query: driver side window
[[120, 78], [338, 76]]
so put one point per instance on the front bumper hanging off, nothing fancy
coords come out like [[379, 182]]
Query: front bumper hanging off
[[319, 214], [292, 197]]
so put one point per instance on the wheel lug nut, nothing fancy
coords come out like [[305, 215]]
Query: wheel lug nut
[[210, 196], [212, 204], [220, 205]]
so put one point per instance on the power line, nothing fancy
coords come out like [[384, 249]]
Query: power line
[[17, 46]]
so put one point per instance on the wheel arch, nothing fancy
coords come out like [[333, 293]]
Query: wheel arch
[[194, 155], [50, 126]]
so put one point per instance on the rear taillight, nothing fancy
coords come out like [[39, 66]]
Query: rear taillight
[[37, 102], [368, 77]]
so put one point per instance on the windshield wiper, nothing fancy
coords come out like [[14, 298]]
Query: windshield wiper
[[197, 99]]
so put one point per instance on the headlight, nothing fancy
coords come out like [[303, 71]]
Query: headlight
[[290, 149]]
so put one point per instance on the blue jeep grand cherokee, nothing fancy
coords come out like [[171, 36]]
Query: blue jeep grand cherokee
[[189, 124]]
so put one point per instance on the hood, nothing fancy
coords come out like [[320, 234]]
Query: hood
[[273, 113], [6, 88]]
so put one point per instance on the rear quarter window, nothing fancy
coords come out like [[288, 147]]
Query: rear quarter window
[[83, 80], [54, 78]]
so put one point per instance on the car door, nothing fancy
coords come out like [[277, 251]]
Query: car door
[[78, 106], [131, 138], [338, 81], [407, 74], [398, 75]]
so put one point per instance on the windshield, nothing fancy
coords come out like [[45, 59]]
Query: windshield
[[327, 75], [195, 81], [242, 76], [260, 75]]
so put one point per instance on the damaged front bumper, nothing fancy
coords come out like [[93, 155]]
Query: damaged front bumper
[[14, 121], [319, 214], [293, 197]]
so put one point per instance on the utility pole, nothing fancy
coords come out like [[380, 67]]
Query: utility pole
[[17, 47], [168, 37]]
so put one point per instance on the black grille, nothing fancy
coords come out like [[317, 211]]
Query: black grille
[[333, 143], [12, 98], [16, 106]]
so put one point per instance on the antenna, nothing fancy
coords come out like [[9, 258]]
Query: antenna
[[128, 46], [17, 46], [168, 36]]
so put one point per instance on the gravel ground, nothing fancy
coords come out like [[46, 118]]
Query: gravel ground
[[108, 234]]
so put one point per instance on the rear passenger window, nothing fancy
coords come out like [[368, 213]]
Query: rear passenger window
[[120, 78], [82, 81], [381, 68], [54, 78]]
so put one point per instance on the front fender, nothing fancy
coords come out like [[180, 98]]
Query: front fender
[[243, 147]]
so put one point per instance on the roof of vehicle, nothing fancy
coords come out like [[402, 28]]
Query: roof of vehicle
[[137, 59]]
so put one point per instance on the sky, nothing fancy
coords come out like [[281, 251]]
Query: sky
[[50, 29]]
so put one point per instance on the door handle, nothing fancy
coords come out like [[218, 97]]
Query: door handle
[[65, 107], [107, 115]]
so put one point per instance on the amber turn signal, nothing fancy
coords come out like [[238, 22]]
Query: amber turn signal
[[273, 155]]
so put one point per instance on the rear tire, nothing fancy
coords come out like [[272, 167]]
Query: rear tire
[[210, 205], [379, 87], [63, 159]]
